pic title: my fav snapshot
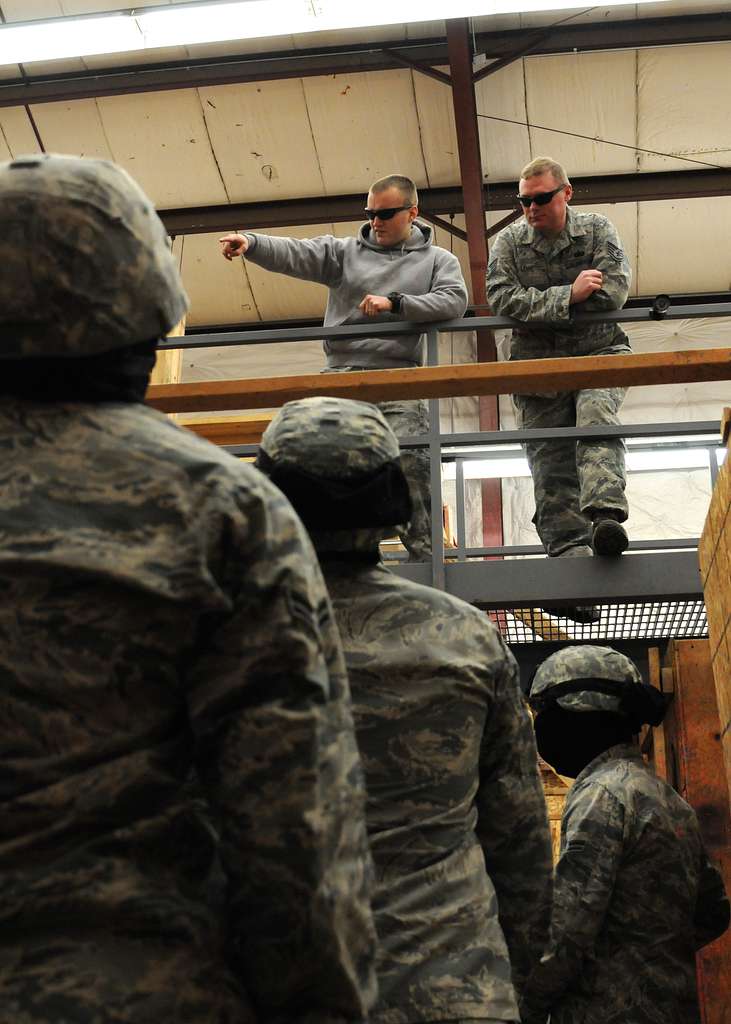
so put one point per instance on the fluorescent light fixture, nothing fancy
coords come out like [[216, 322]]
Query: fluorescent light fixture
[[221, 21]]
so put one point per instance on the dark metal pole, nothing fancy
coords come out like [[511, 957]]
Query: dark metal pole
[[470, 162]]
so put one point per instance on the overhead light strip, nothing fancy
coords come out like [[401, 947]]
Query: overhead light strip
[[216, 22]]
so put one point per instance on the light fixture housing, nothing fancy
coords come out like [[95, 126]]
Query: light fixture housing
[[230, 20]]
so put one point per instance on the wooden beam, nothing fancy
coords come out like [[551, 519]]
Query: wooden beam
[[232, 429], [529, 376]]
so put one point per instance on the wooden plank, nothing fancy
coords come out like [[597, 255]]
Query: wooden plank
[[241, 430], [694, 736], [521, 376]]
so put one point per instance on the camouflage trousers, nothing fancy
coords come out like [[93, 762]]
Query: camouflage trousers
[[573, 480], [407, 419]]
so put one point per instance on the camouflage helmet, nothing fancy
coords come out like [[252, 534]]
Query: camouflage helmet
[[86, 262], [332, 437], [586, 678], [338, 462]]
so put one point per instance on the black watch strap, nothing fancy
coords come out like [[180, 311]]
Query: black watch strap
[[395, 299]]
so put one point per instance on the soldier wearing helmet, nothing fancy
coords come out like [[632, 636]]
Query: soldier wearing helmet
[[635, 894], [163, 614], [455, 810]]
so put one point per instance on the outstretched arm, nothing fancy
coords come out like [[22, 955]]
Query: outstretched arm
[[311, 259]]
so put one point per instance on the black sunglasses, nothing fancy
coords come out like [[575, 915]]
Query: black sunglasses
[[540, 198], [386, 214]]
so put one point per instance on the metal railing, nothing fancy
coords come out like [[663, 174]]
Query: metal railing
[[435, 441]]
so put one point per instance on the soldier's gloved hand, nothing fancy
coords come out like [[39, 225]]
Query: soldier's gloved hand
[[234, 244], [372, 305], [588, 282]]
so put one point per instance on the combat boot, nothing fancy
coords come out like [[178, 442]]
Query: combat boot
[[608, 537]]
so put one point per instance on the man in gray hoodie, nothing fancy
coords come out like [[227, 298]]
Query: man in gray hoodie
[[390, 270]]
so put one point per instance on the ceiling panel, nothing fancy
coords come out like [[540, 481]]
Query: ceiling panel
[[683, 105], [365, 126], [17, 131], [74, 128], [590, 94], [437, 129], [162, 140], [261, 137], [503, 145]]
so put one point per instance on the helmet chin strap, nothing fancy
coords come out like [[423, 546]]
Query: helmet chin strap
[[120, 375]]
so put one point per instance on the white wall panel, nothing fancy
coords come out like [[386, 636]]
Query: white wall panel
[[684, 245], [503, 145], [438, 133], [219, 291], [589, 94], [683, 105]]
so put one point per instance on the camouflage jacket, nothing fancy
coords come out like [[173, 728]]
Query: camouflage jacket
[[634, 897], [162, 609], [529, 277], [456, 814]]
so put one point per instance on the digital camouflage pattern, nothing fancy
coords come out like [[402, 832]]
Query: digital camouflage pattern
[[334, 438], [456, 814], [341, 439], [634, 897], [529, 277], [163, 610], [584, 662], [409, 419], [182, 835], [86, 260]]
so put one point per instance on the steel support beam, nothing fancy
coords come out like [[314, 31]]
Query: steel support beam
[[605, 188], [470, 163], [534, 582], [341, 60]]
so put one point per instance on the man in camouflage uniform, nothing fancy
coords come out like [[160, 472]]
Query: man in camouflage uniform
[[162, 610], [635, 894], [456, 814], [391, 271], [543, 268]]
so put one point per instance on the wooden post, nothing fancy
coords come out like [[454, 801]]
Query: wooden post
[[695, 765]]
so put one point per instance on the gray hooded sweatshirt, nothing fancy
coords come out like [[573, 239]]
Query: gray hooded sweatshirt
[[428, 277]]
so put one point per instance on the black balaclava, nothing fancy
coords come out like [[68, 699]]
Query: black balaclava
[[120, 375], [570, 740]]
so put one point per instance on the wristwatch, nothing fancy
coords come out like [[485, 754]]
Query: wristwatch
[[395, 299]]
